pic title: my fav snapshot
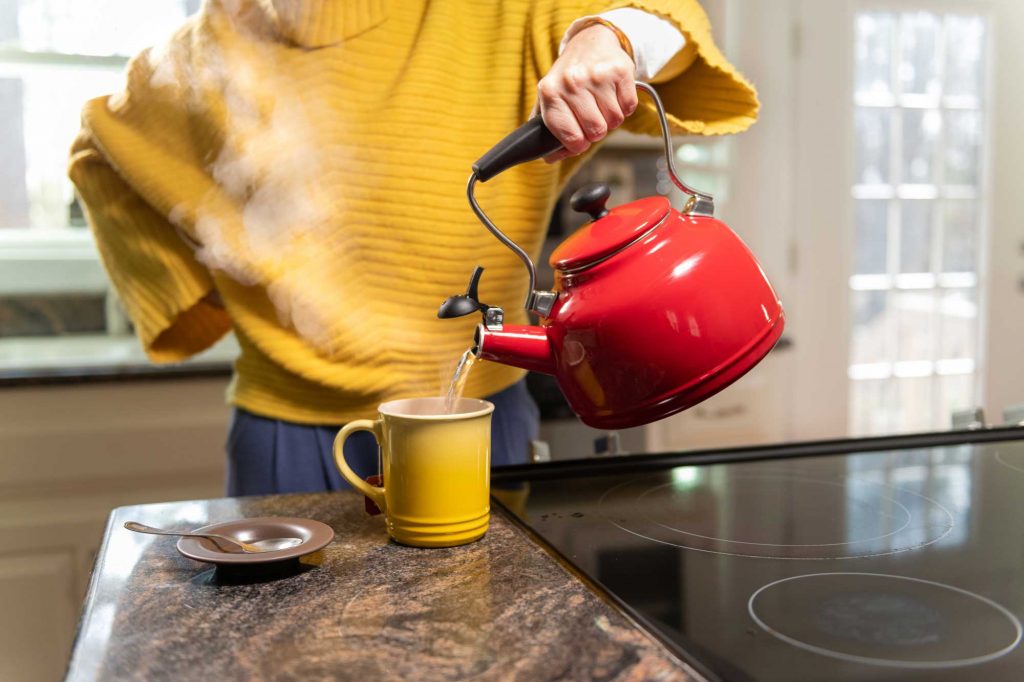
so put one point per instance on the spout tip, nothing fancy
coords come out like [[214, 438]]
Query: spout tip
[[478, 341]]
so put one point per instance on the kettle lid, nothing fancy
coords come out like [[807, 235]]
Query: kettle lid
[[609, 231]]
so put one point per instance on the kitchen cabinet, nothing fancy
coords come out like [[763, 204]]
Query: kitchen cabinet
[[38, 593], [69, 453]]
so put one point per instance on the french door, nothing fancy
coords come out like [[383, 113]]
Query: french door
[[909, 245]]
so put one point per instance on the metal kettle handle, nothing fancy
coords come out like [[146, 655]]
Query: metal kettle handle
[[702, 203], [533, 140]]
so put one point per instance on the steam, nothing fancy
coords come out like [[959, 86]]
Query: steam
[[267, 218]]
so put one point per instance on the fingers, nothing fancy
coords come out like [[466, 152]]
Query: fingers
[[605, 93], [625, 91], [588, 115], [559, 116], [595, 116], [581, 106]]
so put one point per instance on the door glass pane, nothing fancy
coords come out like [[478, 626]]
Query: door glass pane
[[915, 236], [956, 392], [872, 406], [871, 238], [915, 315], [958, 323], [921, 128], [872, 327], [874, 138], [919, 64], [965, 72], [959, 236], [875, 33], [963, 147], [915, 396], [917, 94]]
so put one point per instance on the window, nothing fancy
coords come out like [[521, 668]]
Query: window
[[919, 205], [55, 303], [55, 55]]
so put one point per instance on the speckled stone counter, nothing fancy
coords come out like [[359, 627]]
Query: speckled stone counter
[[362, 608]]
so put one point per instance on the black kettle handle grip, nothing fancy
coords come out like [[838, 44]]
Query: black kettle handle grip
[[533, 140], [529, 141]]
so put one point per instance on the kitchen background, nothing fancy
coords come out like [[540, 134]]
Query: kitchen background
[[879, 190]]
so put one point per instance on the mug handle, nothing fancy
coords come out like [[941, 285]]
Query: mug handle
[[373, 426]]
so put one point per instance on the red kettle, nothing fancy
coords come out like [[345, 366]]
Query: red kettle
[[653, 309]]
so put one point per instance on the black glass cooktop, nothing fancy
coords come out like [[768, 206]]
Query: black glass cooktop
[[898, 564]]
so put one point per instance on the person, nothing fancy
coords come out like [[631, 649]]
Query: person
[[294, 171]]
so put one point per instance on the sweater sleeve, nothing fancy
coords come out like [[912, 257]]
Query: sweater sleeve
[[710, 97], [153, 270]]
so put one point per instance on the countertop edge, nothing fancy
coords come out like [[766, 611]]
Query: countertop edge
[[87, 604], [111, 374]]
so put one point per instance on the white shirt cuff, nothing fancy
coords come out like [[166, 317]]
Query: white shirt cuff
[[655, 40]]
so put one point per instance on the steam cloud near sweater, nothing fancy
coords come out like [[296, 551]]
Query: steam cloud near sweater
[[267, 219]]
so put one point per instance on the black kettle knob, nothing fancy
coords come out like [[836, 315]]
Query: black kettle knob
[[591, 199]]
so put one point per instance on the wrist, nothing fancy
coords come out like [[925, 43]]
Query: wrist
[[599, 26]]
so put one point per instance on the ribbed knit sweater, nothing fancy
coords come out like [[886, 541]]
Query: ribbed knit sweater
[[308, 159]]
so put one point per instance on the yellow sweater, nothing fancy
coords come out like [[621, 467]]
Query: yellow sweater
[[308, 158]]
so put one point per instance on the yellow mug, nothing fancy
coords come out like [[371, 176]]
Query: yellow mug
[[437, 469]]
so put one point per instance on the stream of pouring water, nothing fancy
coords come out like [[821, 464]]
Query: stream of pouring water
[[458, 382]]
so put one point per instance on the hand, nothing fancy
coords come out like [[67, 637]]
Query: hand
[[588, 92]]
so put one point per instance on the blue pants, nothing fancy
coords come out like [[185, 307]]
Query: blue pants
[[272, 456]]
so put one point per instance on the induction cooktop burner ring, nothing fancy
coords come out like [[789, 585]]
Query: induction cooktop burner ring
[[906, 512], [891, 663], [863, 555], [788, 558], [999, 458]]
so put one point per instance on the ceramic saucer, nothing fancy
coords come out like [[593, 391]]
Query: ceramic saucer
[[314, 536]]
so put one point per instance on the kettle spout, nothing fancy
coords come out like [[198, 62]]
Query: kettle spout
[[516, 345]]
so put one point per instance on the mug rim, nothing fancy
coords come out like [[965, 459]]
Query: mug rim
[[387, 409]]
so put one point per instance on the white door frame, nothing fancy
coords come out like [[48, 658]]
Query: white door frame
[[823, 212], [1003, 316]]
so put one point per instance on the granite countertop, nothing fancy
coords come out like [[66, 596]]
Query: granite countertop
[[363, 607]]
